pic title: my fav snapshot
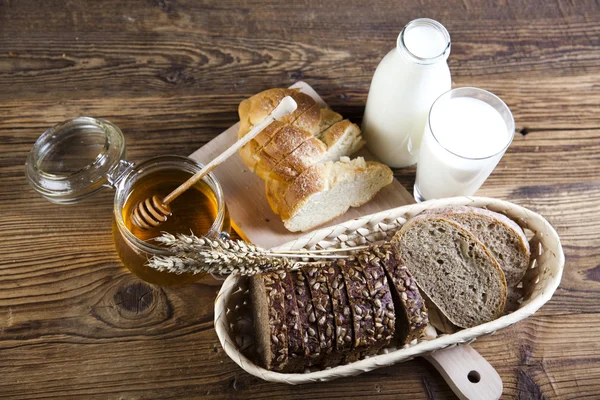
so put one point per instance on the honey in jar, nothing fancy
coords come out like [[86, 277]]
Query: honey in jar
[[79, 157], [199, 210]]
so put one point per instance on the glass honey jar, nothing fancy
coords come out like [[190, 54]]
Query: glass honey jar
[[79, 157]]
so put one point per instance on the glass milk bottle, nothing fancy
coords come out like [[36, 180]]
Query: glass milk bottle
[[405, 85]]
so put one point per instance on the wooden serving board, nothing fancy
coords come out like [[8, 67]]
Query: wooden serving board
[[244, 191]]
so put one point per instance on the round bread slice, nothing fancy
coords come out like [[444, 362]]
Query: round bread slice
[[458, 273], [501, 235]]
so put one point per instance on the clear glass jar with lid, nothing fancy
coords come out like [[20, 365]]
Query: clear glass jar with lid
[[79, 157]]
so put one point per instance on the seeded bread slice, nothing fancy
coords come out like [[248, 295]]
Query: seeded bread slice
[[502, 236], [341, 307], [342, 314], [384, 317], [360, 305], [411, 312], [308, 319], [294, 326], [271, 333], [317, 284], [456, 271]]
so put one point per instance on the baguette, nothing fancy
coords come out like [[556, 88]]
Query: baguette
[[325, 191]]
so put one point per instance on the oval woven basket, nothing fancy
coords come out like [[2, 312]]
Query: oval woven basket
[[233, 317]]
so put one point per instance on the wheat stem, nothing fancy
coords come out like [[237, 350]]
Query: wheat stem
[[197, 254]]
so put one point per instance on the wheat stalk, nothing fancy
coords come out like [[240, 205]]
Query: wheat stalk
[[199, 254]]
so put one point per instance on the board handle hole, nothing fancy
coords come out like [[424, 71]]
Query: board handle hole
[[474, 377]]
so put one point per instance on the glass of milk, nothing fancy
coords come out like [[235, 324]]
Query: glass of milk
[[467, 132]]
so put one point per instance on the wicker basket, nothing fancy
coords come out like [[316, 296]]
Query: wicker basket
[[233, 317]]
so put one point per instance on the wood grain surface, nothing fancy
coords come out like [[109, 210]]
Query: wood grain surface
[[75, 324]]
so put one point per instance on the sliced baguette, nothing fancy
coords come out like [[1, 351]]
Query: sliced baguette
[[456, 271], [271, 330], [502, 236], [342, 139], [326, 191], [328, 118]]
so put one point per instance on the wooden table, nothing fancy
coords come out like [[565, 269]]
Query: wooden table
[[75, 324]]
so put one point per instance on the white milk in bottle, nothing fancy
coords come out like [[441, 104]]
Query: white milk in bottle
[[405, 85]]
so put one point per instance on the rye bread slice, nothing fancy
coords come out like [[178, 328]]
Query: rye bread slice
[[317, 284], [411, 312], [342, 314], [271, 333], [456, 271], [360, 306], [294, 325], [384, 317], [308, 319], [501, 235]]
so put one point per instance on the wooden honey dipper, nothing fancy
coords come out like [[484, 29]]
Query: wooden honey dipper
[[154, 211]]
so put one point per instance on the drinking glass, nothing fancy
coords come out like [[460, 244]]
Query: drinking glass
[[463, 142]]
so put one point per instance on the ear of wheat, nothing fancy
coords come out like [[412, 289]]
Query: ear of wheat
[[198, 254]]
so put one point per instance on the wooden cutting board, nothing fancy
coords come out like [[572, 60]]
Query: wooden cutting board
[[244, 191]]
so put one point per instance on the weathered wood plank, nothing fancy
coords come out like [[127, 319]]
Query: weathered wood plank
[[75, 324]]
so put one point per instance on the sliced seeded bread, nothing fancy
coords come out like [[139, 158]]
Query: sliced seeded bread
[[384, 317], [271, 330], [317, 284], [456, 271], [502, 236], [341, 311], [308, 320], [411, 312], [360, 305], [295, 332]]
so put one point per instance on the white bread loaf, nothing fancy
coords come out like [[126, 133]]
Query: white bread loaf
[[298, 157], [325, 191], [309, 135]]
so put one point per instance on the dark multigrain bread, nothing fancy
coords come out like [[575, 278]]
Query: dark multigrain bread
[[384, 318], [271, 335], [308, 319], [341, 312], [458, 273], [317, 284], [411, 312], [294, 326], [360, 306]]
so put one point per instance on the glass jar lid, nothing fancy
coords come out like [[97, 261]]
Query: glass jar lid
[[75, 159]]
